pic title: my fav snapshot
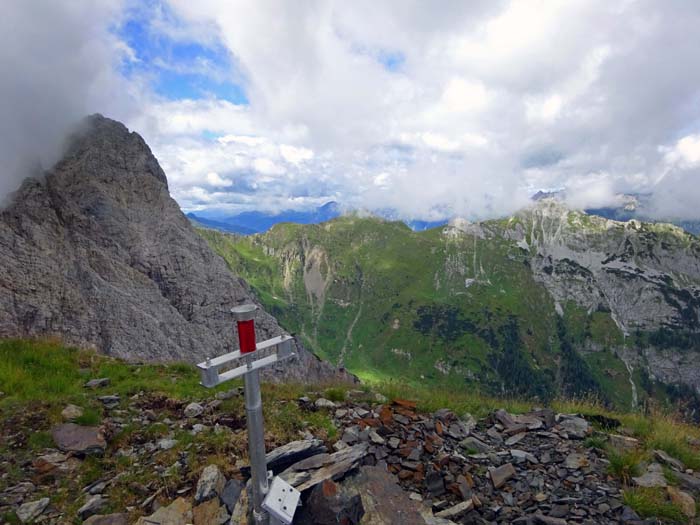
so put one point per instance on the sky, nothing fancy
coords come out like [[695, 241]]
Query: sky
[[428, 109]]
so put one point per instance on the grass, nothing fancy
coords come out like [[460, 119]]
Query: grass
[[625, 465], [34, 399], [649, 502]]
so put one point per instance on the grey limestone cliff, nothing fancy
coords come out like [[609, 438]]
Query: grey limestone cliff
[[98, 253]]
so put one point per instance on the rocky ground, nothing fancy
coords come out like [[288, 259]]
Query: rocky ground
[[156, 460]]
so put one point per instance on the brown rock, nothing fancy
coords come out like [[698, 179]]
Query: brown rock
[[209, 513], [685, 501], [500, 475]]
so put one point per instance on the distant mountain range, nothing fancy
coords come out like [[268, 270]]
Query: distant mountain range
[[252, 222], [548, 302]]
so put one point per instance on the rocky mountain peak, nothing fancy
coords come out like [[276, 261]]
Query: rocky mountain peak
[[101, 142], [99, 254]]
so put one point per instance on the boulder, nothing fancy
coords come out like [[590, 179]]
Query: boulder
[[210, 485], [70, 437]]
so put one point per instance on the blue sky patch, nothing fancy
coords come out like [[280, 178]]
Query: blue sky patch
[[178, 68]]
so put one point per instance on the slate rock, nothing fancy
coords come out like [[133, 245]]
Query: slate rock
[[231, 493], [70, 437], [282, 457], [92, 506], [31, 510], [324, 403], [653, 477], [98, 383], [210, 485], [669, 460], [500, 475], [106, 519], [332, 504], [194, 410], [575, 427], [179, 512]]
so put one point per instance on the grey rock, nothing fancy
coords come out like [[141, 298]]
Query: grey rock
[[472, 443], [134, 279], [653, 477], [71, 412], [574, 426], [293, 452], [194, 410], [167, 443], [30, 511], [324, 403], [667, 459], [106, 519], [231, 493], [70, 437], [110, 401], [98, 383], [210, 485], [92, 506]]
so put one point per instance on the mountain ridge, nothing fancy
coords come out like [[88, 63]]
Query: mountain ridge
[[98, 253], [550, 301]]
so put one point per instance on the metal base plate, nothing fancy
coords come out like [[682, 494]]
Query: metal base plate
[[281, 500]]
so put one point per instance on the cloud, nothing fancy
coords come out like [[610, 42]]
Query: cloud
[[59, 63], [488, 102], [466, 109]]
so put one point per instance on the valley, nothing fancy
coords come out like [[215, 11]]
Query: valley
[[550, 302]]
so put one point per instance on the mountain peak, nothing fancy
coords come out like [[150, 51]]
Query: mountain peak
[[101, 146]]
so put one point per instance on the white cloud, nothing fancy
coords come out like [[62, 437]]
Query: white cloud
[[295, 155], [217, 181], [463, 109]]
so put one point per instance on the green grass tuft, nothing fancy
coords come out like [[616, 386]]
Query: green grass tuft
[[650, 502]]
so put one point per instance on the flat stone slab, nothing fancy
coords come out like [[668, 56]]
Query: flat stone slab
[[500, 475], [107, 519], [308, 473], [31, 510], [179, 512], [653, 477], [70, 437], [293, 452]]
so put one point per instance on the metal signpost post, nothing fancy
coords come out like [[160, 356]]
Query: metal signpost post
[[275, 503]]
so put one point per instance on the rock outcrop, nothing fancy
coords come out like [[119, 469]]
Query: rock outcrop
[[97, 253]]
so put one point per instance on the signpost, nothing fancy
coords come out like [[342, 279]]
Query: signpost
[[276, 503]]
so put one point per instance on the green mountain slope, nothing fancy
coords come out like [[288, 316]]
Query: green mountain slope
[[538, 305]]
